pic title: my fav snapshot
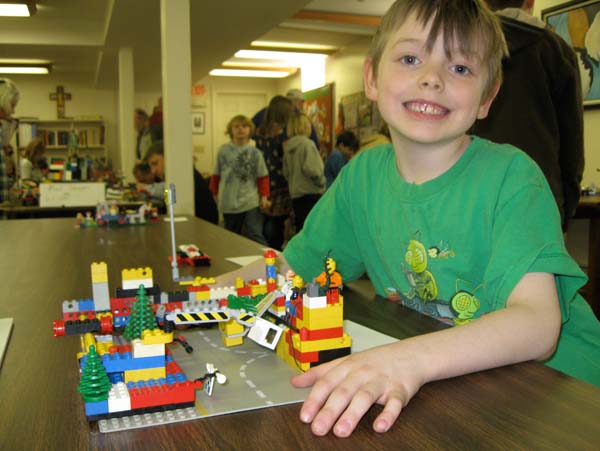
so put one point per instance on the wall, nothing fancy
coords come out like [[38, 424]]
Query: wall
[[85, 101], [207, 145]]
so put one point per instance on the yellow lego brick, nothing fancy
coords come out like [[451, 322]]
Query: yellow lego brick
[[321, 345], [202, 295], [99, 272], [136, 273], [255, 290], [198, 281], [322, 318], [145, 374], [231, 327], [239, 282], [282, 351], [156, 336], [232, 341]]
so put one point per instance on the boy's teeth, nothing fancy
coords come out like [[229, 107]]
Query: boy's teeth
[[426, 109]]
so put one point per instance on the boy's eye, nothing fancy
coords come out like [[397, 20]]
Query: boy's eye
[[461, 70], [409, 59]]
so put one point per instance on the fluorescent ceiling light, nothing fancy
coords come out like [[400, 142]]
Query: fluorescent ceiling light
[[17, 9], [22, 69], [248, 73], [292, 45], [293, 59], [259, 64]]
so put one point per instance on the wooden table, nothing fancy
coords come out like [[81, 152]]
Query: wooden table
[[589, 208], [11, 211], [45, 261]]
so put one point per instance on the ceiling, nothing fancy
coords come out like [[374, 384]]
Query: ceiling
[[82, 37]]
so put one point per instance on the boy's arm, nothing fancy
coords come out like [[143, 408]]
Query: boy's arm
[[390, 375]]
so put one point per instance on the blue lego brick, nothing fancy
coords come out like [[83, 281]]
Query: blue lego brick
[[115, 378], [96, 408], [86, 304], [120, 321], [172, 379], [119, 362]]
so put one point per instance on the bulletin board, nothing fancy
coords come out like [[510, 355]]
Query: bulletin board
[[359, 115], [318, 106]]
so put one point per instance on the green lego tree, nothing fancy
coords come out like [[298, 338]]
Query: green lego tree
[[141, 317], [94, 384]]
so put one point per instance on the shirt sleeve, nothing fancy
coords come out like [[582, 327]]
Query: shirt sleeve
[[526, 237], [328, 230]]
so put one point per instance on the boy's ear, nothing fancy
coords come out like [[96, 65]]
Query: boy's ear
[[369, 80], [484, 108]]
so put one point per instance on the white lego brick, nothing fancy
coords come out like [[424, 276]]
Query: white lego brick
[[142, 350], [265, 333], [314, 302], [220, 293], [134, 284], [118, 398]]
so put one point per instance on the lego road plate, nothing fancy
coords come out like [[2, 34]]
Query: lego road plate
[[5, 330], [256, 377]]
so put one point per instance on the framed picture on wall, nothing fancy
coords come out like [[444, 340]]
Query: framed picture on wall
[[578, 23], [198, 123]]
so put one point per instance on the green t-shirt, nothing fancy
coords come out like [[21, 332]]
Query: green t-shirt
[[454, 247]]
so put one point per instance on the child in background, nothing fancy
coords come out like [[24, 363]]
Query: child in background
[[346, 146], [451, 225], [33, 153], [302, 167], [240, 182], [156, 160], [143, 174]]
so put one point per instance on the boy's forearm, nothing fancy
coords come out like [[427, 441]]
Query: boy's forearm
[[520, 332]]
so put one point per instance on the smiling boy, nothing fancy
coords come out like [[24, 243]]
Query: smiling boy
[[451, 225]]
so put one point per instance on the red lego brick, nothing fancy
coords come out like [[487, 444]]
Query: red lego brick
[[280, 301], [333, 296], [192, 288], [321, 334], [244, 291]]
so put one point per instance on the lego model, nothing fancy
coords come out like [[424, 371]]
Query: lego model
[[108, 214], [190, 254], [128, 340]]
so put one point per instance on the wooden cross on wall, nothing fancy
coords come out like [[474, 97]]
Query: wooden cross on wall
[[60, 96]]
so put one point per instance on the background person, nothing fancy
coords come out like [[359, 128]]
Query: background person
[[346, 145], [9, 98], [539, 107]]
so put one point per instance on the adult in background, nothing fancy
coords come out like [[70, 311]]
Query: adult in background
[[539, 106], [30, 160], [269, 138], [9, 97], [346, 145], [141, 121], [297, 98]]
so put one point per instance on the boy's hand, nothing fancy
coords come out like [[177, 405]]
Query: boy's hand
[[265, 203], [345, 389]]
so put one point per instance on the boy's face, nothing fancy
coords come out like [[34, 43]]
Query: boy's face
[[157, 165], [424, 97], [240, 131]]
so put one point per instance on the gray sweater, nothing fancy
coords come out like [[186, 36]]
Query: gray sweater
[[303, 167]]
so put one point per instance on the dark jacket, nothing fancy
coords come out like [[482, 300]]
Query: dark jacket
[[539, 108]]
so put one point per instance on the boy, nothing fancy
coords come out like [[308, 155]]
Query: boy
[[241, 181], [346, 146], [459, 228], [156, 161]]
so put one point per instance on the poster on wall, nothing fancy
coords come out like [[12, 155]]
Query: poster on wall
[[360, 115], [318, 106], [578, 23]]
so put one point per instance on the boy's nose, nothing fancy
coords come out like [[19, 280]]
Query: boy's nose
[[431, 80]]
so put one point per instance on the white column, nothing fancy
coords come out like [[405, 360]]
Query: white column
[[177, 90], [125, 125]]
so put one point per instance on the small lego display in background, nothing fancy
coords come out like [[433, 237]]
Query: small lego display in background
[[109, 214]]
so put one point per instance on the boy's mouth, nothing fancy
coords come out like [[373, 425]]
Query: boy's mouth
[[427, 108]]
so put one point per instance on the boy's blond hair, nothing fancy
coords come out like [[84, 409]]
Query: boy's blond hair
[[239, 118], [298, 124], [468, 24]]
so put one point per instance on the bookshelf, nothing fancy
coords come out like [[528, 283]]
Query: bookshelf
[[61, 147], [56, 133]]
